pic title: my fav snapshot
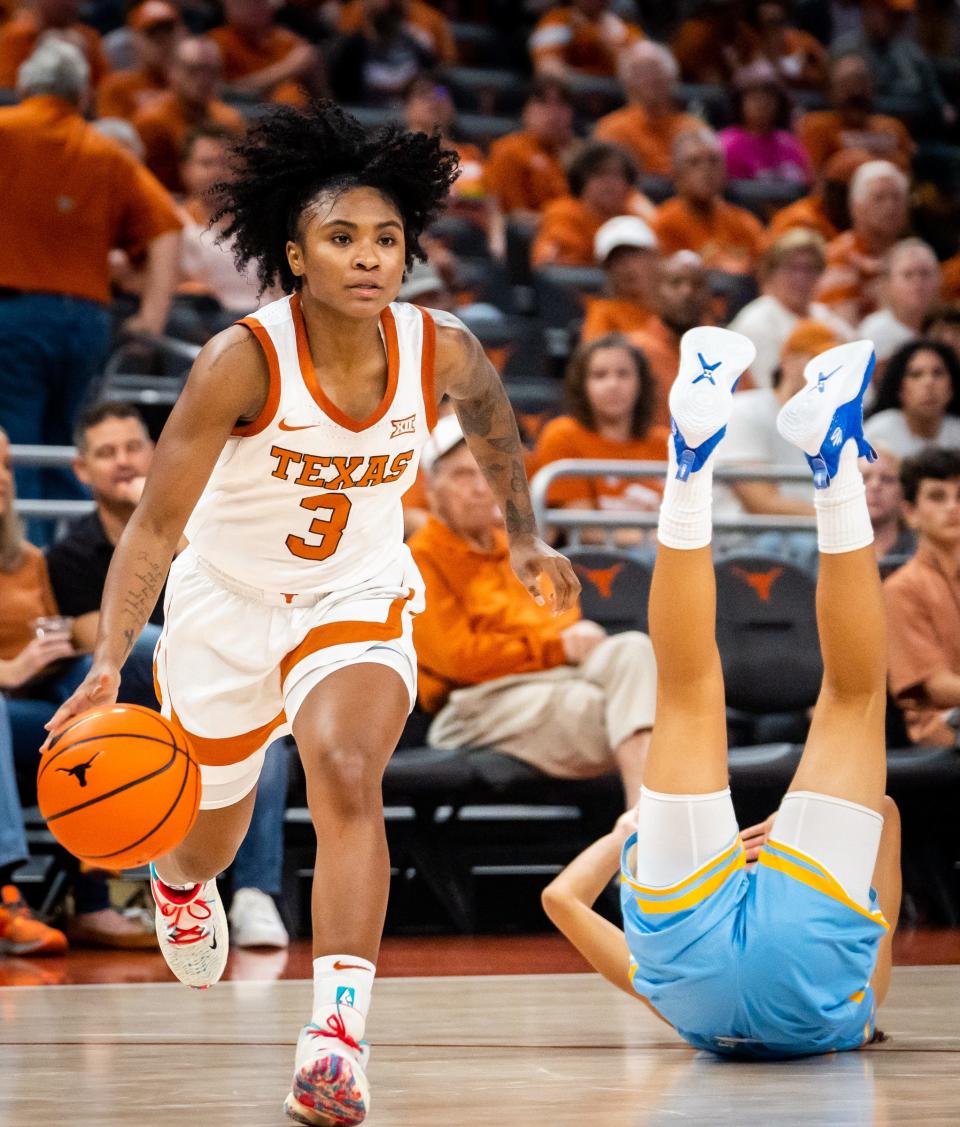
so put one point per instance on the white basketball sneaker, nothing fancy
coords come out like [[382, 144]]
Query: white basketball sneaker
[[330, 1086], [192, 929], [829, 409], [711, 362]]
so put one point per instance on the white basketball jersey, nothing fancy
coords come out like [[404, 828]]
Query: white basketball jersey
[[304, 498]]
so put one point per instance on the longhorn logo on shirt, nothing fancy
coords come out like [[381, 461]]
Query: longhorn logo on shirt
[[403, 426], [761, 581], [602, 578]]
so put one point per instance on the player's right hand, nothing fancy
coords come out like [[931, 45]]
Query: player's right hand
[[100, 686]]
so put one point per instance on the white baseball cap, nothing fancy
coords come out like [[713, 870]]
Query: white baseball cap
[[622, 231], [445, 435]]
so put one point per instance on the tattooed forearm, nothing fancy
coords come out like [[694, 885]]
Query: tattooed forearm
[[490, 427], [140, 598]]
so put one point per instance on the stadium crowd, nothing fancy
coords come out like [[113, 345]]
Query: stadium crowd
[[628, 170]]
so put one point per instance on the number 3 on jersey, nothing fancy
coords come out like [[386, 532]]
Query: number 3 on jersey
[[330, 531]]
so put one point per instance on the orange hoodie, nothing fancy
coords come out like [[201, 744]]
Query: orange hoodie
[[480, 623]]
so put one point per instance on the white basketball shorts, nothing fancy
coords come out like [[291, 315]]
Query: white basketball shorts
[[234, 664]]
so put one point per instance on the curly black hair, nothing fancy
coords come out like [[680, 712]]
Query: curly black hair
[[290, 156]]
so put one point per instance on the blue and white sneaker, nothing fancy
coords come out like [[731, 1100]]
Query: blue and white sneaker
[[711, 362], [825, 414]]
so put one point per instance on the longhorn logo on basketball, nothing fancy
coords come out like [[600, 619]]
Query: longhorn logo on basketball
[[79, 770], [761, 581], [403, 426], [601, 578]]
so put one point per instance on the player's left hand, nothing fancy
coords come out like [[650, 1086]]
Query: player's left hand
[[756, 836], [532, 559]]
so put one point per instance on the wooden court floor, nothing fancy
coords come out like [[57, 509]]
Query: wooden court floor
[[518, 1050]]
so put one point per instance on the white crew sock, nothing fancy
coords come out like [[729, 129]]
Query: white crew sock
[[843, 520], [686, 512], [342, 985]]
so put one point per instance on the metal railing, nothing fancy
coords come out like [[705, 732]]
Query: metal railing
[[61, 456], [575, 520]]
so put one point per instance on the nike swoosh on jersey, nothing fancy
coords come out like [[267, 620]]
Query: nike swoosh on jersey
[[307, 426]]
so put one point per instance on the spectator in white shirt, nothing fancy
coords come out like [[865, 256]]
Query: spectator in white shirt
[[790, 271], [918, 400], [911, 290], [206, 259], [753, 438]]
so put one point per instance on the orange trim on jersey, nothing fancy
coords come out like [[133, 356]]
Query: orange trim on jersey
[[428, 368], [342, 633], [265, 418], [222, 752], [309, 374]]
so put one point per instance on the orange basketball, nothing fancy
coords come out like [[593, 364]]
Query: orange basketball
[[119, 786]]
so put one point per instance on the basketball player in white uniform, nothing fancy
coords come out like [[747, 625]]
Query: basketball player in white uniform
[[284, 462]]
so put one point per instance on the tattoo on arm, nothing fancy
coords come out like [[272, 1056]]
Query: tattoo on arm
[[140, 599], [490, 427]]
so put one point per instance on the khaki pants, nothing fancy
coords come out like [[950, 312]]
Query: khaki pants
[[566, 721]]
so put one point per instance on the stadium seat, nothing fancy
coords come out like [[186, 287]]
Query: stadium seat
[[658, 189], [477, 44], [734, 290], [764, 197], [615, 588], [485, 90], [767, 634], [460, 235], [706, 101]]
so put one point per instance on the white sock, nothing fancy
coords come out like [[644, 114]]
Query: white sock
[[843, 520], [342, 985], [686, 512]]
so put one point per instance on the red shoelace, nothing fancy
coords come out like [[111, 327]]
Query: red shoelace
[[182, 936], [338, 1030]]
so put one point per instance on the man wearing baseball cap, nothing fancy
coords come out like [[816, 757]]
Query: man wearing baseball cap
[[626, 248], [155, 28], [499, 671]]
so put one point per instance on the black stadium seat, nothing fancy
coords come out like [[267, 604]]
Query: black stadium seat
[[767, 634], [615, 588]]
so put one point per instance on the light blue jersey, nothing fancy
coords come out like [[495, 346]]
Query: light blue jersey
[[770, 963]]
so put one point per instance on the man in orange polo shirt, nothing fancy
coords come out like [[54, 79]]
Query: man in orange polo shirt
[[584, 37], [852, 124], [682, 301], [879, 202], [264, 60], [825, 209], [499, 670], [70, 195], [698, 218], [21, 33], [650, 121], [195, 73], [155, 26], [525, 169], [626, 248]]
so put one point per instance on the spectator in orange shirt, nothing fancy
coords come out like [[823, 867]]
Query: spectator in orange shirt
[[650, 122], [155, 26], [611, 401], [855, 259], [852, 124], [799, 57], [626, 248], [192, 101], [584, 37], [21, 34], [525, 169], [602, 184], [422, 22], [69, 196], [698, 218], [263, 60], [825, 209], [499, 670], [683, 301], [717, 43]]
